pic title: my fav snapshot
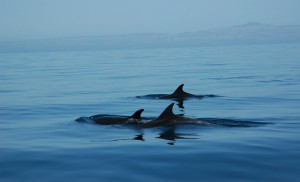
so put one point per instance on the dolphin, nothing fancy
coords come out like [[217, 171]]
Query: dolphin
[[168, 118], [179, 95], [115, 119]]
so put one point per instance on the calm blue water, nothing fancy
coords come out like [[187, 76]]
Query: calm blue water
[[41, 94]]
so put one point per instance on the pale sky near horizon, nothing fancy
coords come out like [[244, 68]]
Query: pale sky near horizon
[[34, 19]]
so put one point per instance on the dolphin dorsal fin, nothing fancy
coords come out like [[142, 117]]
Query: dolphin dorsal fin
[[167, 113], [179, 89], [137, 114]]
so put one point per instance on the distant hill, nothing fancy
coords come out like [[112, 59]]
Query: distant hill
[[250, 33]]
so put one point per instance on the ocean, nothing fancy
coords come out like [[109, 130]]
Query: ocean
[[43, 93]]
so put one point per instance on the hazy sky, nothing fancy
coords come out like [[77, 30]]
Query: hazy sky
[[29, 19]]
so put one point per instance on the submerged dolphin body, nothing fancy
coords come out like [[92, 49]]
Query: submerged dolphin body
[[168, 118], [114, 119], [179, 95]]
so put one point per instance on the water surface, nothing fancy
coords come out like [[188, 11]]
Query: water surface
[[43, 93]]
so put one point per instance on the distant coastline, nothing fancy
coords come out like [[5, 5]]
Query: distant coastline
[[250, 33]]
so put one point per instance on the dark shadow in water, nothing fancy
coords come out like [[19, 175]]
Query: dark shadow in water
[[168, 133], [180, 105], [139, 137], [171, 135]]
